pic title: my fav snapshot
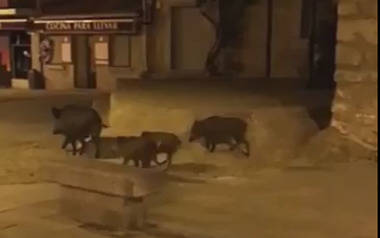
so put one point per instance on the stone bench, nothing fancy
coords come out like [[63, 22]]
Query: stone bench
[[105, 194]]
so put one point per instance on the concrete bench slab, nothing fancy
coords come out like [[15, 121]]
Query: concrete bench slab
[[96, 192], [102, 177]]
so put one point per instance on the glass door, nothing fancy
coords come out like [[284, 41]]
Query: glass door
[[21, 61]]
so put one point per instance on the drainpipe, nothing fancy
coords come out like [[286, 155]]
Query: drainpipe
[[312, 47], [39, 6], [268, 73]]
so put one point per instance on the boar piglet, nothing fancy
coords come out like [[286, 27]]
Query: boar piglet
[[138, 149], [167, 143]]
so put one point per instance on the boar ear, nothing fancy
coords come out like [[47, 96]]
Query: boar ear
[[56, 112]]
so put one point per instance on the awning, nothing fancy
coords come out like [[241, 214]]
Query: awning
[[13, 24], [87, 25], [16, 12]]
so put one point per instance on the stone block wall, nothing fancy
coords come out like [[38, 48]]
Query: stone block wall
[[355, 105]]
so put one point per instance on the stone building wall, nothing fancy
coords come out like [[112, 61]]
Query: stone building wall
[[355, 105], [178, 26]]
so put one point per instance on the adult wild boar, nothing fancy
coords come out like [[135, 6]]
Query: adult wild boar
[[221, 130], [77, 123], [137, 149], [167, 143]]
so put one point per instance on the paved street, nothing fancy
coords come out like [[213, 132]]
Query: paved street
[[324, 203]]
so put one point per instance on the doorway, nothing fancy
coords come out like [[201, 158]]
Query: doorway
[[323, 43], [22, 62], [20, 55]]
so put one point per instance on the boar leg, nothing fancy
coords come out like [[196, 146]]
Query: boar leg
[[213, 146], [170, 155], [65, 143], [169, 160], [241, 140], [126, 160], [208, 144], [74, 145], [232, 147], [136, 162], [248, 153], [247, 146], [84, 144], [146, 163]]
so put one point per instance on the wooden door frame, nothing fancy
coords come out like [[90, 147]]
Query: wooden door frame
[[75, 54]]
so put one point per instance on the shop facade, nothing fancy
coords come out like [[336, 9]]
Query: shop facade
[[75, 44], [87, 51], [15, 41], [92, 47]]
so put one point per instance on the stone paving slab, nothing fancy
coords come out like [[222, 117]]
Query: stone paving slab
[[14, 196], [30, 211]]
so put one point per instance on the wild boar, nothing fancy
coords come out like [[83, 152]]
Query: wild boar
[[166, 143], [77, 123], [221, 130], [137, 149]]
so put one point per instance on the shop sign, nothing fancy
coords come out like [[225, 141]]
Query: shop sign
[[87, 26]]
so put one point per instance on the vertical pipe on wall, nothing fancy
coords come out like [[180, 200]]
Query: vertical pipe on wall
[[144, 51], [269, 39], [312, 42], [39, 6]]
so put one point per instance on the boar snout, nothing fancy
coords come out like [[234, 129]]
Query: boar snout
[[56, 132]]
